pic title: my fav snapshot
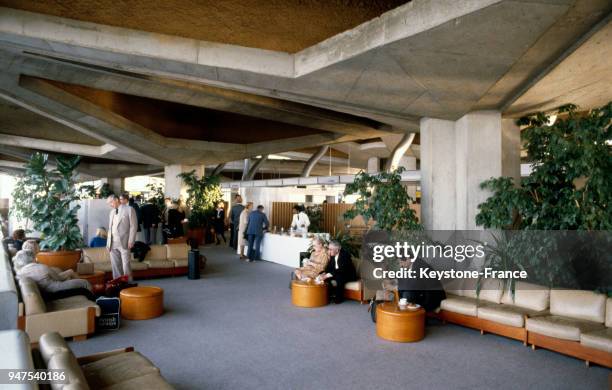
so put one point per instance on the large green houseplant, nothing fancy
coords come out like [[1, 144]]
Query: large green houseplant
[[569, 189], [203, 195], [46, 195]]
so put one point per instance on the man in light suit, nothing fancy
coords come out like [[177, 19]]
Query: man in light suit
[[122, 228]]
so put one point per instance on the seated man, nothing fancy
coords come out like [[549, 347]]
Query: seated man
[[339, 271], [316, 264], [53, 282], [425, 292]]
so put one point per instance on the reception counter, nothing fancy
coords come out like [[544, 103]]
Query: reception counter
[[285, 249]]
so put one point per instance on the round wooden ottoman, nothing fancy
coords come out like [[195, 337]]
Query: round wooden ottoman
[[308, 294], [142, 303], [395, 324]]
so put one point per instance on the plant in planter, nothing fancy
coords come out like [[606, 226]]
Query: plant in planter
[[47, 196], [383, 198], [203, 196], [315, 216]]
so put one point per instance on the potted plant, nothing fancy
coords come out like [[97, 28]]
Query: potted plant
[[47, 197], [203, 194]]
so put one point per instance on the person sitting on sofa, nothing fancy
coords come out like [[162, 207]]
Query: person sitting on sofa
[[339, 271], [426, 292], [99, 241], [52, 282], [316, 264], [16, 242]]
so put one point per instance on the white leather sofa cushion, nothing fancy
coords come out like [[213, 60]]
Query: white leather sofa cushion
[[104, 267], [138, 265], [117, 368], [601, 339], [491, 290], [150, 382], [462, 305], [71, 303], [528, 295], [66, 362], [32, 300], [157, 252], [355, 286], [177, 251], [453, 287], [50, 344], [159, 263], [16, 354], [561, 327], [181, 262], [505, 314], [578, 304], [96, 255], [609, 312]]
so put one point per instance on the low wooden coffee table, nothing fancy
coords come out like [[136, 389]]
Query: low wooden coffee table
[[308, 294], [96, 278], [403, 326], [142, 303]]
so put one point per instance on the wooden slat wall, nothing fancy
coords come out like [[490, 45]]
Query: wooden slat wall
[[282, 214], [333, 220]]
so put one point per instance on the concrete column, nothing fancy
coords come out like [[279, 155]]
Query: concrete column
[[437, 174], [456, 157], [116, 184], [174, 187], [373, 165]]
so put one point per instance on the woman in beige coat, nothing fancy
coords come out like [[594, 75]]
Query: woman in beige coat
[[317, 262], [244, 219]]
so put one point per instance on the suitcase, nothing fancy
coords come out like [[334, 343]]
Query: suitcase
[[110, 308]]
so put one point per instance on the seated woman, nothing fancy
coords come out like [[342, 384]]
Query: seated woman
[[317, 262], [99, 241], [52, 282]]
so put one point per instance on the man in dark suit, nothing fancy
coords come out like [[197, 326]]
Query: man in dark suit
[[234, 220], [258, 222], [426, 292], [339, 271]]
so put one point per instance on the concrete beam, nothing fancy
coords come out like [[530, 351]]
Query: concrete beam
[[255, 167], [399, 151], [314, 160], [207, 96], [55, 146]]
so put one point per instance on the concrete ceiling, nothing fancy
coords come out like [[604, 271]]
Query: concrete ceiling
[[140, 94], [280, 25]]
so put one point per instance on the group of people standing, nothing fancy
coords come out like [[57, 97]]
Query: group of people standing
[[247, 228]]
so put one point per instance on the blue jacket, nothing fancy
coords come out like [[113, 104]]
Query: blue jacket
[[97, 242], [257, 222]]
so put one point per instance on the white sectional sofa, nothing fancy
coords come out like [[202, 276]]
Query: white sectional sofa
[[573, 322]]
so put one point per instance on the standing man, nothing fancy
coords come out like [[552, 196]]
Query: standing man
[[150, 220], [122, 230], [339, 271], [258, 222], [234, 219]]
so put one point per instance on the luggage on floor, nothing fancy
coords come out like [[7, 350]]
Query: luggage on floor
[[110, 308]]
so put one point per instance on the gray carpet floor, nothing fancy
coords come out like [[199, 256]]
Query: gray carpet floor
[[236, 329]]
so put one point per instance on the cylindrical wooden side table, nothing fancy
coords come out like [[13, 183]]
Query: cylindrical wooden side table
[[142, 303], [96, 278], [401, 325], [308, 294]]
